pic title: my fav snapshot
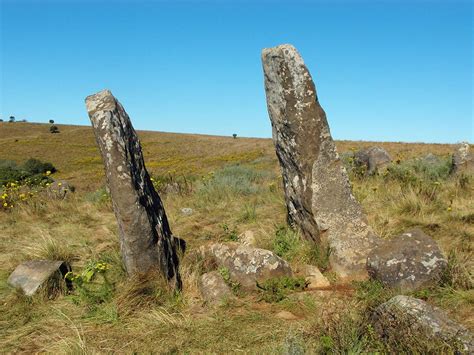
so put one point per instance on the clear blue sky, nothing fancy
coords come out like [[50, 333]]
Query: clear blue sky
[[384, 70]]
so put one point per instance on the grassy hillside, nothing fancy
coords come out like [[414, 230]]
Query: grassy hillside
[[232, 185]]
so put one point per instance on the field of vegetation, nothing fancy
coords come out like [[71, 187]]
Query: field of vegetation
[[232, 186]]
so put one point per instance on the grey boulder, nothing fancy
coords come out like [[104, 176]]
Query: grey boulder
[[403, 316], [247, 265], [32, 274], [372, 159], [409, 261]]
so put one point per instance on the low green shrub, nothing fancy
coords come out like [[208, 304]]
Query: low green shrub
[[276, 289]]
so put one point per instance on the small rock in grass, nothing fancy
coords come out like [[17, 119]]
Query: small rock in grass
[[314, 277], [187, 211], [403, 317], [31, 275], [213, 288]]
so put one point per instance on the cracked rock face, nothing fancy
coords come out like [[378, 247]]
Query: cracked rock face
[[247, 265], [318, 194], [409, 261], [463, 159], [405, 316], [146, 240]]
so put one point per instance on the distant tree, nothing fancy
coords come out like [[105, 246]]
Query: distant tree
[[1, 120], [234, 135], [12, 119], [54, 129], [23, 120], [51, 121]]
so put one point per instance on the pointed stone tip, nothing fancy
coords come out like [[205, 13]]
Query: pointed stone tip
[[282, 48], [103, 99]]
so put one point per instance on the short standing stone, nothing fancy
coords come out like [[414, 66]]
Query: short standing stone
[[409, 261], [31, 275], [318, 194], [404, 316], [59, 189], [213, 288], [247, 265], [373, 159], [463, 159], [146, 240]]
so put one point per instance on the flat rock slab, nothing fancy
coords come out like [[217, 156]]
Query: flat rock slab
[[409, 261], [407, 316], [314, 277], [247, 265], [213, 288], [31, 275]]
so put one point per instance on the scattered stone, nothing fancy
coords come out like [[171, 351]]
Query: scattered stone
[[247, 238], [213, 288], [146, 240], [403, 316], [373, 159], [187, 211], [314, 277], [286, 315], [31, 275], [59, 189], [463, 159], [409, 261], [318, 194], [247, 265]]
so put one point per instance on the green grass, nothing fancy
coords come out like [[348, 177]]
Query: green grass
[[233, 185]]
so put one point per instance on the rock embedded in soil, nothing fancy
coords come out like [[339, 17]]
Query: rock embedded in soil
[[213, 288], [31, 275], [403, 317], [373, 159], [314, 277], [247, 265], [408, 262], [318, 194], [146, 241]]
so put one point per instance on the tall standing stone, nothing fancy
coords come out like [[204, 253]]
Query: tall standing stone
[[317, 190], [146, 241]]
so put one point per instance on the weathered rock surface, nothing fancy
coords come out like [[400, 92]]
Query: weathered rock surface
[[318, 194], [404, 316], [373, 159], [146, 240], [314, 277], [213, 288], [463, 159], [31, 275], [247, 265], [409, 261], [247, 238], [59, 189]]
